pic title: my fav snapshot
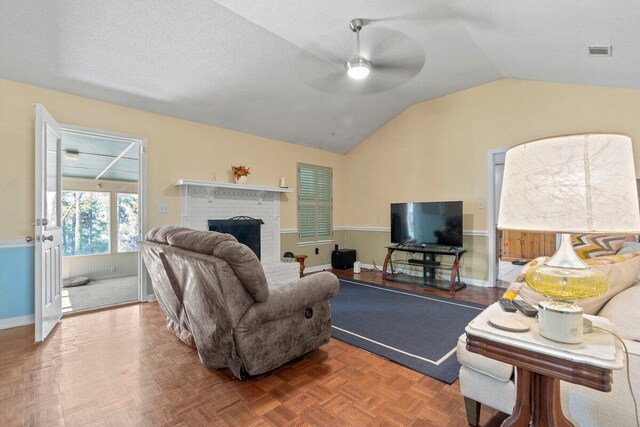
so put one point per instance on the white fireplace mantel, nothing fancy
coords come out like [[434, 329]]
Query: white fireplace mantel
[[211, 184], [204, 200]]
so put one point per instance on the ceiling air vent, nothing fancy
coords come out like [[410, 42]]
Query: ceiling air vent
[[599, 50]]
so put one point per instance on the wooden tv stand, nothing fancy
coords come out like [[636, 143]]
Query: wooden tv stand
[[429, 265]]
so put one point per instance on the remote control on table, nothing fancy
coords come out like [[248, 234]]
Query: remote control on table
[[508, 305], [526, 308]]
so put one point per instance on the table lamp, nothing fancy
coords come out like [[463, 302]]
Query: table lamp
[[570, 184]]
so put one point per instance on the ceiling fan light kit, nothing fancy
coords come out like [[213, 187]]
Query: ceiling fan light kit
[[357, 67]]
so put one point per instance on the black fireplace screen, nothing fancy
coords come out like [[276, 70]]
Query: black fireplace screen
[[244, 228]]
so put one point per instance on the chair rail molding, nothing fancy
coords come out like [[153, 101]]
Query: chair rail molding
[[483, 233], [14, 243]]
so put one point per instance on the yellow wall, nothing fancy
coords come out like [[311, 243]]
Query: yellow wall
[[289, 243], [435, 150], [176, 149]]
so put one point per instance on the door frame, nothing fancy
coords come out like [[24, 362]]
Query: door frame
[[142, 190], [492, 157]]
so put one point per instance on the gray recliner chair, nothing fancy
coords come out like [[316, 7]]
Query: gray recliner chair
[[215, 295]]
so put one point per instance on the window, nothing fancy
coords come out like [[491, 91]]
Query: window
[[315, 203], [128, 222], [85, 223]]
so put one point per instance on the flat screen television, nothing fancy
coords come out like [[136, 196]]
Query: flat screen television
[[427, 223]]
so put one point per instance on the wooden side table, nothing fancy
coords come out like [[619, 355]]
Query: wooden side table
[[541, 364], [300, 259]]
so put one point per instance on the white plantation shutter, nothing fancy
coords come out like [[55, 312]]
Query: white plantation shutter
[[323, 218], [307, 222], [315, 203]]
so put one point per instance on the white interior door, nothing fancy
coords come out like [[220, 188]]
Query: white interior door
[[495, 165], [499, 174], [48, 230]]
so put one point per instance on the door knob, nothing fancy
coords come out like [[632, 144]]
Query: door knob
[[29, 239], [49, 238]]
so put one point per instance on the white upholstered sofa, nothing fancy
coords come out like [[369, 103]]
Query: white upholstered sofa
[[488, 382]]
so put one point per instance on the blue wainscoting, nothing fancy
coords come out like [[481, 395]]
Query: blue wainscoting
[[17, 283]]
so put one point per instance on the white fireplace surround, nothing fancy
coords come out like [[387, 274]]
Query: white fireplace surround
[[204, 200]]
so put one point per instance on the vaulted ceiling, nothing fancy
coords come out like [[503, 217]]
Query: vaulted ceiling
[[275, 68]]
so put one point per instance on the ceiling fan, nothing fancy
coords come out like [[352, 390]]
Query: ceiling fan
[[387, 58], [357, 67]]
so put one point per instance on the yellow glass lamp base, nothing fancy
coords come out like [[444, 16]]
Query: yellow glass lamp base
[[567, 284], [565, 277]]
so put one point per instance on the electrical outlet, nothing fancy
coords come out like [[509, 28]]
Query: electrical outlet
[[317, 251], [163, 208]]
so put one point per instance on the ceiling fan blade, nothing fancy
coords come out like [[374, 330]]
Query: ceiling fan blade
[[333, 48], [330, 82], [394, 73], [410, 64], [422, 16], [436, 16], [396, 58], [326, 55], [385, 44], [322, 75]]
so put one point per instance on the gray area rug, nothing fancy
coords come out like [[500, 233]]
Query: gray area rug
[[415, 330], [100, 293]]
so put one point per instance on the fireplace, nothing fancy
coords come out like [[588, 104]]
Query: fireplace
[[201, 201], [244, 228]]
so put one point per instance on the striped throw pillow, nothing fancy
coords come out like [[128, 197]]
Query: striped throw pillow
[[589, 246]]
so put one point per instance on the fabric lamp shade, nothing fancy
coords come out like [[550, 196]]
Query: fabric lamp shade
[[571, 184]]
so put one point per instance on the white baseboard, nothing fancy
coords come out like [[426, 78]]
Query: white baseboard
[[317, 268], [370, 266], [14, 322], [467, 280], [476, 282], [151, 298]]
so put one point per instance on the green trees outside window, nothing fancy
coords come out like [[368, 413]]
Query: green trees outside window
[[85, 223], [128, 231]]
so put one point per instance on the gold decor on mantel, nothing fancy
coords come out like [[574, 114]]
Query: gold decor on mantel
[[240, 173]]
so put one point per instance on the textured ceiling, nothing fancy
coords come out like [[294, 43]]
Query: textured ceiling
[[274, 68]]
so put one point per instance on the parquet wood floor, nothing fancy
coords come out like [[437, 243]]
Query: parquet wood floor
[[121, 367]]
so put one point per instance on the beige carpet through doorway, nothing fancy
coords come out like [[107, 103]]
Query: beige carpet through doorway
[[100, 293]]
